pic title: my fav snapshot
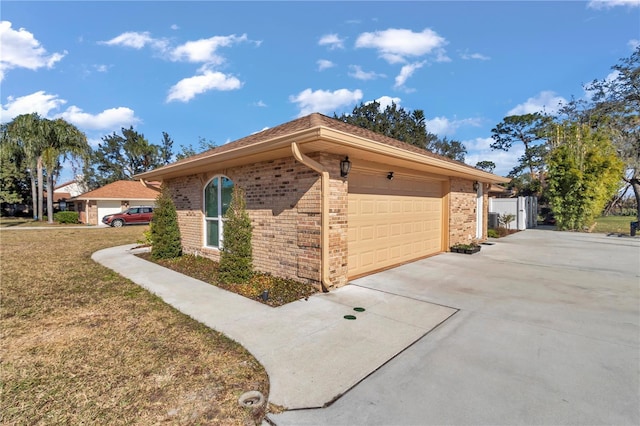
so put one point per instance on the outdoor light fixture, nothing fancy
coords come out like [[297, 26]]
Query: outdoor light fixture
[[345, 167], [390, 176], [475, 185]]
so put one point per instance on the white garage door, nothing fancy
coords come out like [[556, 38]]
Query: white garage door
[[392, 221], [108, 207]]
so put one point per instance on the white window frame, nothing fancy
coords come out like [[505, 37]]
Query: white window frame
[[220, 217]]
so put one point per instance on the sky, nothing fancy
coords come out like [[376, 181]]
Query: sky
[[224, 70]]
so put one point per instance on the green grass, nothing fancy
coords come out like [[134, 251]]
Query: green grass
[[613, 224]]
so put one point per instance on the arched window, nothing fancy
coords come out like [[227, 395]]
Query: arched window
[[217, 196]]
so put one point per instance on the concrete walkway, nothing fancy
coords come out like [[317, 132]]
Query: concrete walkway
[[311, 353]]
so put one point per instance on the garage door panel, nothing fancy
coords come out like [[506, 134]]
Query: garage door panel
[[407, 221]]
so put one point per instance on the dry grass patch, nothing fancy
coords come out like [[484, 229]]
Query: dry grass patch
[[82, 345]]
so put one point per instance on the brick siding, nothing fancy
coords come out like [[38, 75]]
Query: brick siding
[[284, 204], [462, 212]]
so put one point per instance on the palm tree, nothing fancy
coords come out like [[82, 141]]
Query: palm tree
[[61, 141], [24, 135]]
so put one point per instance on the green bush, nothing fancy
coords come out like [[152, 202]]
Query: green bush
[[165, 233], [236, 260], [66, 217], [492, 233]]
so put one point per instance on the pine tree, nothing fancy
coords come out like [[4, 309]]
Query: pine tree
[[236, 260], [165, 233]]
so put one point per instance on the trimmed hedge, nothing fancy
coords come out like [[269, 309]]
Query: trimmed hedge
[[66, 217]]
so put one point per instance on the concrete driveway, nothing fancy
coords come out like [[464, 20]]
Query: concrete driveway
[[548, 332]]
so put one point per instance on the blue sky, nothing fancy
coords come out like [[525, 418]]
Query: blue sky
[[224, 70]]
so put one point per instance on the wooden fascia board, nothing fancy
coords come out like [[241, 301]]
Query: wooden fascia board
[[446, 167]]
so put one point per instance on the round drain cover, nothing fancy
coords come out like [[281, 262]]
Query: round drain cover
[[358, 309], [350, 317]]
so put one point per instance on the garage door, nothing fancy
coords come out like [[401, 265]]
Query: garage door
[[392, 221], [108, 207]]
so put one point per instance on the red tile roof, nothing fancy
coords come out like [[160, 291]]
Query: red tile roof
[[121, 190]]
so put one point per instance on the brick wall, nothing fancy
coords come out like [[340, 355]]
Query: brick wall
[[338, 224], [284, 204], [462, 212]]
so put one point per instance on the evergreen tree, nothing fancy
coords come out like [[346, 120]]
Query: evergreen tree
[[236, 260], [165, 233]]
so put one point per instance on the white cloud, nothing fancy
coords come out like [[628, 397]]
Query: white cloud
[[633, 43], [478, 56], [324, 101], [357, 72], [39, 102], [260, 104], [174, 27], [46, 106], [442, 126], [386, 101], [20, 49], [479, 149], [132, 39], [331, 40], [608, 4], [101, 67], [324, 64], [187, 88], [396, 45], [204, 50], [406, 72], [108, 119], [546, 101]]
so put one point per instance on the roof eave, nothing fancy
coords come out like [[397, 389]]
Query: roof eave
[[273, 144], [351, 143]]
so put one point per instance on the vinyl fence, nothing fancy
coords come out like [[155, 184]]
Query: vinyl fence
[[525, 209]]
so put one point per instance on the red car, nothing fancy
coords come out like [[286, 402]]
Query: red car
[[133, 215]]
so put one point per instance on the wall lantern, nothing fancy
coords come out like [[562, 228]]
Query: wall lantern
[[475, 185], [345, 167], [390, 176]]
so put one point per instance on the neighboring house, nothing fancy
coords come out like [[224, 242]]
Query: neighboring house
[[63, 193], [114, 198], [398, 203], [499, 191]]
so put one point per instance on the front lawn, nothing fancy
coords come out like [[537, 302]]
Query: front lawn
[[614, 224], [83, 345]]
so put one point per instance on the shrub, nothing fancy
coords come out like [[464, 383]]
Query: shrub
[[66, 217], [236, 261], [505, 219], [165, 233], [492, 233]]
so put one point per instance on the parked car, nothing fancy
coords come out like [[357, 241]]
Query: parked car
[[133, 215]]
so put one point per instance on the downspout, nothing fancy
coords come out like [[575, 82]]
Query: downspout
[[324, 215]]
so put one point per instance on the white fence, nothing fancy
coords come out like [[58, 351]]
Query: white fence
[[525, 210]]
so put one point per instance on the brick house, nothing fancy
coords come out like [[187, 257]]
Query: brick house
[[114, 198], [398, 202]]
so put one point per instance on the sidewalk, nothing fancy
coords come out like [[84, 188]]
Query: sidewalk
[[311, 353]]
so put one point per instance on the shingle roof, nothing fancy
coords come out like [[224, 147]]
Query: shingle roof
[[308, 122], [121, 190]]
